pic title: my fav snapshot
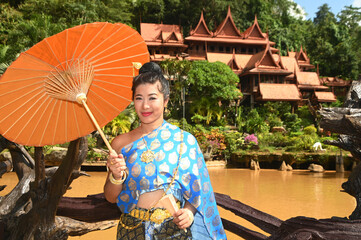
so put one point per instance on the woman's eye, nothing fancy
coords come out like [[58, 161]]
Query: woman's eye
[[138, 98], [152, 98]]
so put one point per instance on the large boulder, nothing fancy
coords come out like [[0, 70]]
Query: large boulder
[[316, 168], [55, 157]]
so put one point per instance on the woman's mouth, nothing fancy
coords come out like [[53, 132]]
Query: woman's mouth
[[146, 114]]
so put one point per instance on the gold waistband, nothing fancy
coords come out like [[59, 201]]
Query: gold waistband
[[157, 215]]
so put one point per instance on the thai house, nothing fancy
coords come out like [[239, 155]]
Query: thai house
[[338, 86], [264, 74], [163, 41]]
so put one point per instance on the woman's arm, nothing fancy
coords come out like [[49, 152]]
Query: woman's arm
[[117, 167]]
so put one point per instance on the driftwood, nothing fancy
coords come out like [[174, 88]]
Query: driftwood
[[33, 202]]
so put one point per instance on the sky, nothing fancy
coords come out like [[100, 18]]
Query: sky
[[311, 6]]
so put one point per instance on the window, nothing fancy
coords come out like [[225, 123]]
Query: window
[[228, 49], [221, 49]]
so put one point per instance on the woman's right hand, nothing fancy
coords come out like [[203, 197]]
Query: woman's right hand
[[116, 165]]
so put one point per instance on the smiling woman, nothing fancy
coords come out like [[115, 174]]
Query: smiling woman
[[158, 176]]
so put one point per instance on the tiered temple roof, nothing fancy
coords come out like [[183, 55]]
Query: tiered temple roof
[[227, 32]]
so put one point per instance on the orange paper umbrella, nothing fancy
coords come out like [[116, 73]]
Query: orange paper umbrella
[[70, 84]]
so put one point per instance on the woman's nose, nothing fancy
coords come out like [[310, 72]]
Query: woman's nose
[[145, 104]]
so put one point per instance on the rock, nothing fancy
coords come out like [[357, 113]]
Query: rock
[[55, 157], [289, 167], [316, 168], [278, 129], [254, 165], [283, 166]]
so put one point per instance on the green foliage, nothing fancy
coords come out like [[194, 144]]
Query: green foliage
[[176, 72], [123, 123], [310, 130], [305, 116], [332, 42], [215, 81], [209, 85], [255, 123], [234, 141], [292, 122], [277, 140]]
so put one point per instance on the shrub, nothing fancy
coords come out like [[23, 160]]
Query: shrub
[[233, 141], [310, 130], [251, 139], [292, 122]]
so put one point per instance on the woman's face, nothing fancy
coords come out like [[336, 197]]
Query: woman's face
[[149, 103]]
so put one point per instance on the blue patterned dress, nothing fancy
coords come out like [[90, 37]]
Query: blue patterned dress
[[192, 183]]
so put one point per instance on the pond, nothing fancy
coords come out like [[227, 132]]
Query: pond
[[281, 194]]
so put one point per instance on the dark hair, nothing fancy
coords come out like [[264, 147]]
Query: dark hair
[[151, 73]]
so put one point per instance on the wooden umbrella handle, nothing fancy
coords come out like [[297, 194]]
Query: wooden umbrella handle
[[83, 101]]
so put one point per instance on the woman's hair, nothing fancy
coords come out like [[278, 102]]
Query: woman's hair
[[151, 73]]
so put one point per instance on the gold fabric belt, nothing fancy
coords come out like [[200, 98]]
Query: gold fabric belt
[[157, 215]]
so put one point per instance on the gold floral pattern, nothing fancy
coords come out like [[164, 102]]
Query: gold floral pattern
[[150, 169], [136, 169]]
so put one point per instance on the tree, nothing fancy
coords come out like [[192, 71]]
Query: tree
[[176, 72], [210, 85], [215, 81]]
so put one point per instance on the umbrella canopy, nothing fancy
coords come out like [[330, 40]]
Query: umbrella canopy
[[43, 92]]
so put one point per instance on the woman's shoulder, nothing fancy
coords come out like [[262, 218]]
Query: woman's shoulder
[[123, 140]]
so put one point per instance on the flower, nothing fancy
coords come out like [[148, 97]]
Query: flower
[[251, 139]]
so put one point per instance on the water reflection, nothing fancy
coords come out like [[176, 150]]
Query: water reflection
[[281, 194]]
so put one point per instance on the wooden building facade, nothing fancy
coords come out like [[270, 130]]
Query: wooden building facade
[[264, 74]]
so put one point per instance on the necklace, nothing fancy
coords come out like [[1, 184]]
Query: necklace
[[148, 155]]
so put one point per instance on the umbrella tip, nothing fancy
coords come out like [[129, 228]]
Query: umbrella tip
[[137, 65], [80, 97]]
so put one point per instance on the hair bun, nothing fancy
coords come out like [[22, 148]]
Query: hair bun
[[150, 67]]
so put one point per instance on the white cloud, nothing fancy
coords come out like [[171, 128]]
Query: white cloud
[[302, 13], [356, 3]]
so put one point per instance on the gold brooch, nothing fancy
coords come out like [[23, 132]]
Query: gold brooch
[[147, 156]]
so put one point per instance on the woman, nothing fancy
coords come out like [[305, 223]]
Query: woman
[[155, 161]]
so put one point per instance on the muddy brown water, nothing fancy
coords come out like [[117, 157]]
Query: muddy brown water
[[281, 194]]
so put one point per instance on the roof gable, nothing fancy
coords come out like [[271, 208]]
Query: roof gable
[[172, 37], [302, 56], [201, 29], [254, 31], [233, 63], [227, 28], [263, 59]]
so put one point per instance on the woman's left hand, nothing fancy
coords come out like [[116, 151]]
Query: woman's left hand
[[183, 218]]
